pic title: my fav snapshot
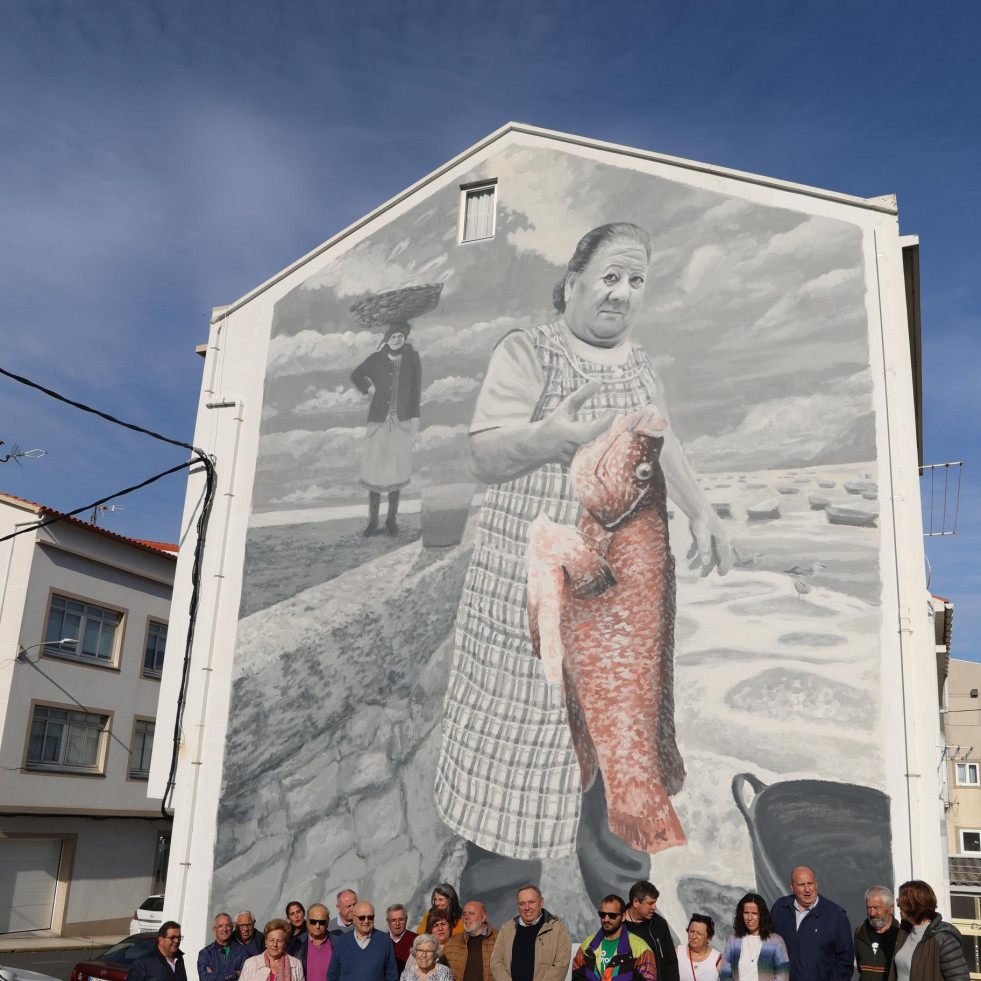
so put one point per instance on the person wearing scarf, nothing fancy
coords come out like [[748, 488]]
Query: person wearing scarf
[[275, 964]]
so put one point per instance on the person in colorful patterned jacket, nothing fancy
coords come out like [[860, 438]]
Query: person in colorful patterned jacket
[[613, 952]]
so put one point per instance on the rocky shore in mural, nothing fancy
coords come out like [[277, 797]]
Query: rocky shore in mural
[[339, 691]]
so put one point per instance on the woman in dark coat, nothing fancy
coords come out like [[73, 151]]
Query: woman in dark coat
[[928, 947], [395, 374]]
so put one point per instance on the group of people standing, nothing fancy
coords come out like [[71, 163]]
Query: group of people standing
[[804, 937]]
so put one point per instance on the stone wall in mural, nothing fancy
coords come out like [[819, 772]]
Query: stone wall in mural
[[564, 559]]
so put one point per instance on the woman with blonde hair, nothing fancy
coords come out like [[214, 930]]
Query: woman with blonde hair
[[274, 964]]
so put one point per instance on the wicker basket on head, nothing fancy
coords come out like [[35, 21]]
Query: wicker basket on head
[[379, 310]]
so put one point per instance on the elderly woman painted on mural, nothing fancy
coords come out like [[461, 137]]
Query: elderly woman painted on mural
[[508, 778]]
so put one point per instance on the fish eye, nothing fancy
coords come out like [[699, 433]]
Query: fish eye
[[644, 471]]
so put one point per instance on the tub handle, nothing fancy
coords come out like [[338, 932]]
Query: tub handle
[[739, 782]]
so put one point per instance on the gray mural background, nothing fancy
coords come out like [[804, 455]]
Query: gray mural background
[[756, 318]]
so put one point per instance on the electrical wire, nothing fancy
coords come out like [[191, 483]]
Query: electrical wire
[[202, 527]]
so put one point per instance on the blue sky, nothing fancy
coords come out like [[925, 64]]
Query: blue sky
[[159, 159]]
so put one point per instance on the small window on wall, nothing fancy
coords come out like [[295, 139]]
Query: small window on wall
[[156, 643], [139, 757], [478, 209], [81, 631], [963, 906], [967, 775], [970, 842]]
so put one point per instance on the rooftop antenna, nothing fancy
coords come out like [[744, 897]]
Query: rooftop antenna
[[16, 453], [105, 509]]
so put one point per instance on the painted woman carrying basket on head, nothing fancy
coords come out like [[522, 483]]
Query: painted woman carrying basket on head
[[393, 375]]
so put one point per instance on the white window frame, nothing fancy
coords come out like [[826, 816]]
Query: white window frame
[[139, 753], [97, 613], [151, 672], [466, 192], [82, 723], [970, 770], [969, 831]]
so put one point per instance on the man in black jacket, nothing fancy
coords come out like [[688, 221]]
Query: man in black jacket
[[875, 939], [643, 920], [166, 961]]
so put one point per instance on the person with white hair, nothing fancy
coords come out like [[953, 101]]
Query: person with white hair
[[875, 939]]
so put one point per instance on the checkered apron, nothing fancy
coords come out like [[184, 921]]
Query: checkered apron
[[508, 778]]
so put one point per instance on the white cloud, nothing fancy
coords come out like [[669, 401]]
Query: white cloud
[[440, 340], [452, 388], [339, 399], [310, 350]]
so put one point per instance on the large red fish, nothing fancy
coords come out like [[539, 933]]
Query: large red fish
[[601, 605]]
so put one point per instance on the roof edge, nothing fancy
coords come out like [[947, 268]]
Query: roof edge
[[885, 204]]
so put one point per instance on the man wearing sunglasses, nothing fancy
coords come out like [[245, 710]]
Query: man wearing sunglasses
[[364, 954], [313, 948], [613, 951]]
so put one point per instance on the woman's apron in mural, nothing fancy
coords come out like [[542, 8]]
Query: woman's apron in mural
[[508, 777]]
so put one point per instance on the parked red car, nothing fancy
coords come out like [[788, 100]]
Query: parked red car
[[114, 964]]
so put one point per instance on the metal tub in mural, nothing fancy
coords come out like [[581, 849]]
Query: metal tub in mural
[[535, 583]]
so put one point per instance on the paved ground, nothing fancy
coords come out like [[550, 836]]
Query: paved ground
[[57, 963]]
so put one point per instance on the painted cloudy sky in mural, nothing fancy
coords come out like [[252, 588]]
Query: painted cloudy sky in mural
[[753, 315]]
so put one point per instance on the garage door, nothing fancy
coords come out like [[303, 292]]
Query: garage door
[[28, 880]]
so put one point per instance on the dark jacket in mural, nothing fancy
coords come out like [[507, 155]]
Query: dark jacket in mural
[[384, 373], [820, 948], [873, 965], [939, 956]]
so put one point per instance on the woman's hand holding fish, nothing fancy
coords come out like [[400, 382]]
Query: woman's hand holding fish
[[561, 434], [710, 546]]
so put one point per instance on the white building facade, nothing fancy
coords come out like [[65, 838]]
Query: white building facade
[[83, 630], [336, 674]]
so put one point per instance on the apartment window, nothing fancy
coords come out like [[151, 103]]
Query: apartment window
[[93, 630], [967, 775], [156, 642], [65, 740], [139, 757], [963, 906], [478, 209], [970, 841]]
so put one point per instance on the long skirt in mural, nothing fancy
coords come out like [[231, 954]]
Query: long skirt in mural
[[508, 776], [387, 461]]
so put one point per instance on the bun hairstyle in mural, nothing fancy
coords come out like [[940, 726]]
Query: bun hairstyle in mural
[[610, 627]]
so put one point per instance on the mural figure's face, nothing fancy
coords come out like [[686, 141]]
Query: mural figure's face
[[345, 905], [644, 908], [698, 937], [880, 913], [611, 919], [317, 917], [396, 341], [440, 901], [364, 919], [223, 930], [397, 922], [530, 905], [602, 300], [245, 926], [751, 917], [296, 914], [804, 887]]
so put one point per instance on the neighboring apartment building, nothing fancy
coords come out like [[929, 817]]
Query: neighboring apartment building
[[83, 630], [961, 720]]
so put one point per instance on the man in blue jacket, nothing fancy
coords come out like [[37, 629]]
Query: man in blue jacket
[[815, 930], [221, 960], [166, 961]]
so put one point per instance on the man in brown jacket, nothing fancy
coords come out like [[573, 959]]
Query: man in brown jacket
[[469, 954], [534, 946]]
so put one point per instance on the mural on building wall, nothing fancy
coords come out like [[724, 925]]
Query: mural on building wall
[[622, 620]]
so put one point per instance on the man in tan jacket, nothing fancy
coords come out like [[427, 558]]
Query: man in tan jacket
[[469, 954], [534, 946]]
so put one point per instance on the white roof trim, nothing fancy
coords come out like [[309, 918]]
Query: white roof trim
[[884, 203]]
